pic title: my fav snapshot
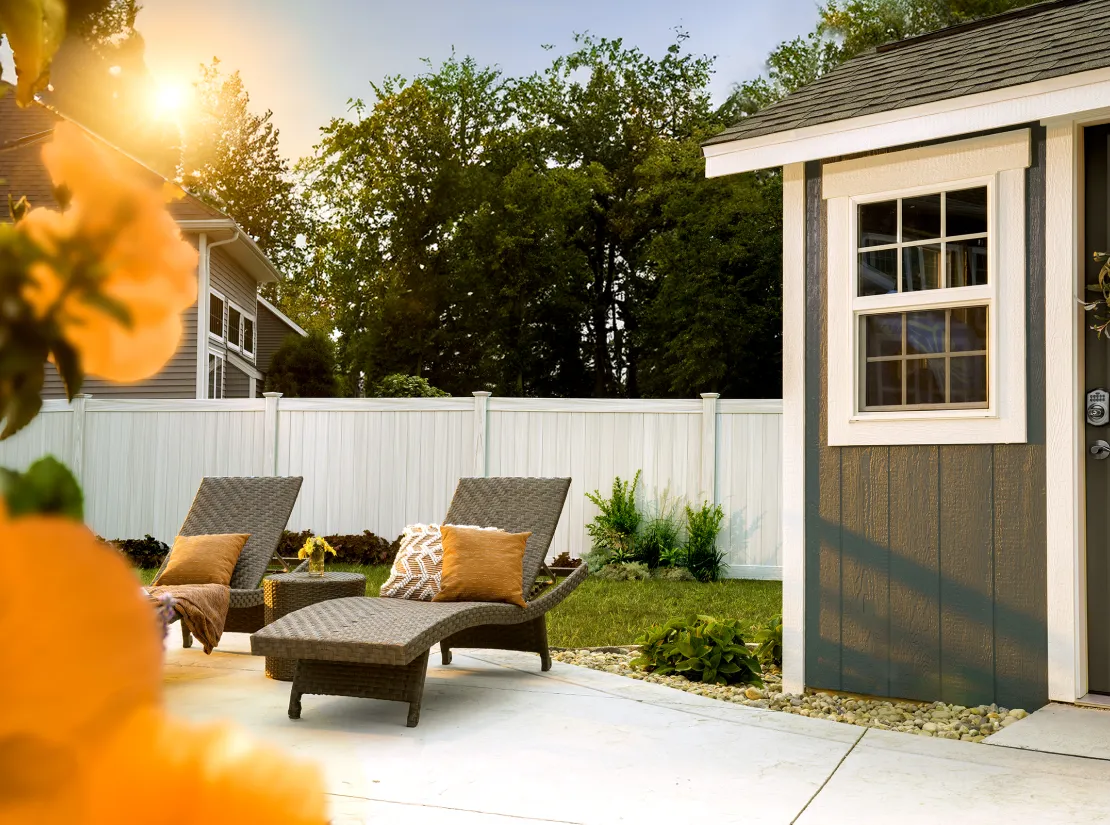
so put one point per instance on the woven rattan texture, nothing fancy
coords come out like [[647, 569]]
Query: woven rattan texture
[[398, 684], [288, 592], [515, 505]]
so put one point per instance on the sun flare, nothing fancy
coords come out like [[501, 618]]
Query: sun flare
[[169, 99]]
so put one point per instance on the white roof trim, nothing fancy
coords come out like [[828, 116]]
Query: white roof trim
[[243, 365], [282, 316], [245, 251], [1041, 100]]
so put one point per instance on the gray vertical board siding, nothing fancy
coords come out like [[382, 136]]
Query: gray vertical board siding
[[914, 565], [272, 332], [925, 565]]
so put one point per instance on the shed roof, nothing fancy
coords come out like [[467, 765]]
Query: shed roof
[[1037, 42]]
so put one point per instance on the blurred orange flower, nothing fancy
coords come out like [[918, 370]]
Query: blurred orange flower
[[83, 736], [115, 227]]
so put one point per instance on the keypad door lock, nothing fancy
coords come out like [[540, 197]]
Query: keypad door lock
[[1098, 407]]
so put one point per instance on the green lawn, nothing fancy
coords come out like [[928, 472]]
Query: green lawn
[[614, 613]]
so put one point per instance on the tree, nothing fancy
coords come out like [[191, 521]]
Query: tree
[[304, 367], [405, 386], [232, 158]]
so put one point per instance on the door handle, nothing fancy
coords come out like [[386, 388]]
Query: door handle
[[1100, 450]]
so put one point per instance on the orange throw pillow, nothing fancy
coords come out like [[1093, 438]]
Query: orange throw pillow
[[482, 565], [203, 559]]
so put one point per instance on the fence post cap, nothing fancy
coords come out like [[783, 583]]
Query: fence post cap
[[710, 395], [271, 395], [481, 394]]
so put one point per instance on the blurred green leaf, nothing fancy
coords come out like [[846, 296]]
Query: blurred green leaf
[[46, 487]]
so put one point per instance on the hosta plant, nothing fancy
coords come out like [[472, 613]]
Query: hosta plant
[[769, 642], [701, 648]]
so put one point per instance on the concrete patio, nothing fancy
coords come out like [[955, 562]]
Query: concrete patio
[[500, 743]]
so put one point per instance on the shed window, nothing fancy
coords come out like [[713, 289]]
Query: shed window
[[926, 284]]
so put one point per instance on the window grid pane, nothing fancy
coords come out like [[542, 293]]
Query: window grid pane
[[939, 260], [935, 367]]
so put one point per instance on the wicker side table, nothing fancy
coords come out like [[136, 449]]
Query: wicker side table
[[286, 592]]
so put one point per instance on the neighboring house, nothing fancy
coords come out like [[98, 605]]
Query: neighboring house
[[946, 524], [222, 352]]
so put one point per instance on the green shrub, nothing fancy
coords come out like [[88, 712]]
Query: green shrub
[[399, 385], [146, 553], [701, 648], [659, 540], [613, 530], [703, 558], [673, 574], [769, 641], [304, 368], [624, 572], [47, 487], [366, 548]]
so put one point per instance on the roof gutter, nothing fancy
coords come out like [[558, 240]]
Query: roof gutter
[[1068, 95], [251, 250]]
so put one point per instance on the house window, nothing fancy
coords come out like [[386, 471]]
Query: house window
[[926, 285], [216, 305], [215, 376], [240, 330], [934, 246]]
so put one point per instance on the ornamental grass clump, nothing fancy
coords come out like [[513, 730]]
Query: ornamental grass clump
[[701, 648]]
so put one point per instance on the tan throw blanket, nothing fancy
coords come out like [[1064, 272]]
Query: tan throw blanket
[[202, 607]]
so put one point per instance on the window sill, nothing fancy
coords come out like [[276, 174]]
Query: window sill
[[927, 427]]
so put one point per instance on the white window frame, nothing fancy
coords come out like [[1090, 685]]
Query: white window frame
[[237, 344], [995, 161], [222, 361], [213, 293]]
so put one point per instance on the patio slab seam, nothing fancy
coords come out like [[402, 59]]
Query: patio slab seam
[[828, 778], [452, 808]]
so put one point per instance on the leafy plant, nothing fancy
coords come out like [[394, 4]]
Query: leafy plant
[[769, 641], [365, 548], [304, 367], [701, 648], [624, 572], [146, 553], [660, 540], [47, 487], [399, 385], [564, 560], [613, 530], [703, 558]]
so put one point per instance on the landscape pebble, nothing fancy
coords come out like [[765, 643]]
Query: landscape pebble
[[936, 719]]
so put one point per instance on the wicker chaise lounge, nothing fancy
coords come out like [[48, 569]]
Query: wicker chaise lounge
[[377, 648], [259, 506]]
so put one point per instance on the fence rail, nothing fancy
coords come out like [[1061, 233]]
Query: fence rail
[[379, 464]]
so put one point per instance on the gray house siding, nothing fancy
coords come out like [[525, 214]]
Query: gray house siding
[[236, 383], [178, 379], [926, 565], [235, 284], [272, 332]]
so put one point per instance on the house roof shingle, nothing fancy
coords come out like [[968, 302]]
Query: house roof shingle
[[1034, 43]]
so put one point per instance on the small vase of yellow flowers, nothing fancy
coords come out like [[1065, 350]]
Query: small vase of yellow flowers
[[314, 550]]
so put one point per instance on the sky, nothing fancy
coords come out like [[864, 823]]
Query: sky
[[306, 60]]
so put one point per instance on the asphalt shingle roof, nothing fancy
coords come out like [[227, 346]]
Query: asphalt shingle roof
[[1035, 43]]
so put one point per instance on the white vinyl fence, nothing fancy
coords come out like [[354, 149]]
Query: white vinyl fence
[[379, 464]]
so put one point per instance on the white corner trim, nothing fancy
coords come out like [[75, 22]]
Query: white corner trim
[[202, 316], [1043, 99], [927, 165], [793, 426], [1004, 422], [1064, 431]]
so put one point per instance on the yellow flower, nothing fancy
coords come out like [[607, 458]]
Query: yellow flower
[[84, 739], [115, 240], [312, 543]]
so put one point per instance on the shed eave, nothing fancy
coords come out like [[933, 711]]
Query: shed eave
[[1075, 95]]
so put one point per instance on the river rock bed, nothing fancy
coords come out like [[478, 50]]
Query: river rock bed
[[936, 719]]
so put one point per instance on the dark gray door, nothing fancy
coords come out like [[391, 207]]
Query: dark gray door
[[1097, 239]]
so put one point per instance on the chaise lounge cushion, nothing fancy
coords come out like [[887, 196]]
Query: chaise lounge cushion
[[373, 631]]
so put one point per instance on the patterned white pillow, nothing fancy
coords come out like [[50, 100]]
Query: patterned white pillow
[[418, 569], [419, 564]]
